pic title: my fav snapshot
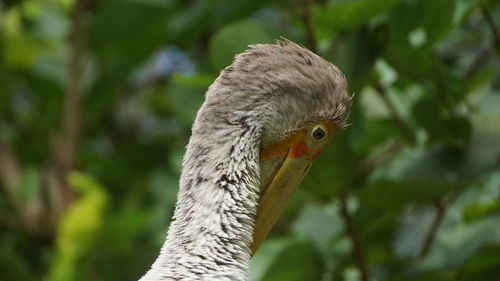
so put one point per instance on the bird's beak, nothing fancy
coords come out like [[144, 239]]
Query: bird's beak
[[283, 166]]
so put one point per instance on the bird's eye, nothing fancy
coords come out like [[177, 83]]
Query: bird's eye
[[318, 133]]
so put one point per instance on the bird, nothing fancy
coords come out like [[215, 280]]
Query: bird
[[264, 120]]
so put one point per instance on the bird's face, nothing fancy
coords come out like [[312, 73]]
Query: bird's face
[[283, 166]]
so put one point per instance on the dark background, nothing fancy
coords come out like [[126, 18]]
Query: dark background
[[97, 99]]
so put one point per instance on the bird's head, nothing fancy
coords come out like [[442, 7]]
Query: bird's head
[[296, 99]]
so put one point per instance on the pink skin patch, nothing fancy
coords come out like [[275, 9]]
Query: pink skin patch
[[300, 150]]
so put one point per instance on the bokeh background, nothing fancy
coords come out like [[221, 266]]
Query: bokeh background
[[97, 99]]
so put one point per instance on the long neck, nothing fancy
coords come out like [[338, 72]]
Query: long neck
[[211, 232]]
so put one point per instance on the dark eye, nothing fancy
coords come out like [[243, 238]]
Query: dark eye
[[318, 133]]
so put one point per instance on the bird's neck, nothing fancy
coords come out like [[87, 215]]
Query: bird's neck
[[211, 232]]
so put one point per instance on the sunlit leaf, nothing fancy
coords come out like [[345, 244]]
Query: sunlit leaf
[[78, 227], [479, 210], [20, 51]]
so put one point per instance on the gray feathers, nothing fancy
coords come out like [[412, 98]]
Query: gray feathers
[[268, 92]]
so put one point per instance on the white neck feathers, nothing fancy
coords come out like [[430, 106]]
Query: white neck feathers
[[212, 228]]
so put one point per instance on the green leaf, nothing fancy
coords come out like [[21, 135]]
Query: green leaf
[[432, 18], [124, 33], [185, 95], [490, 103], [478, 211], [202, 17], [20, 51], [200, 80], [297, 262], [434, 275], [227, 11], [452, 131], [264, 257], [484, 149], [484, 265], [78, 226], [235, 38], [6, 83], [435, 164], [412, 63], [12, 267], [397, 193], [457, 243], [340, 15], [117, 243], [10, 3], [374, 133], [318, 224]]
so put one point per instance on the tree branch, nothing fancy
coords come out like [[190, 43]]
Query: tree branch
[[59, 194], [40, 215], [402, 124], [440, 206], [478, 62], [484, 55], [305, 15], [10, 175], [493, 27], [71, 110], [358, 250]]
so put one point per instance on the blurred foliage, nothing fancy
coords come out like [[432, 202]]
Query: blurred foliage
[[410, 191]]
